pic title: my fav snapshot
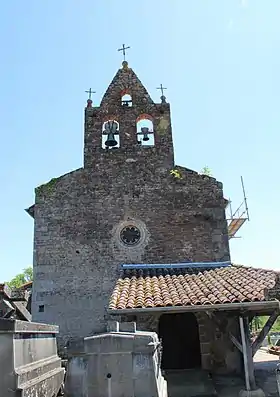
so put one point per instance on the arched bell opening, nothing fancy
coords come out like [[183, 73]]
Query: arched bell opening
[[126, 99], [110, 134], [145, 130]]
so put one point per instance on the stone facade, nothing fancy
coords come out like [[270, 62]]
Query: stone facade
[[179, 214], [218, 353]]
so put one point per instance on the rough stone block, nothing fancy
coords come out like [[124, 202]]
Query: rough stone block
[[113, 326], [127, 327], [205, 348]]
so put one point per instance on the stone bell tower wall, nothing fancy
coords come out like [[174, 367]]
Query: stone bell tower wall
[[111, 108], [127, 117], [79, 217]]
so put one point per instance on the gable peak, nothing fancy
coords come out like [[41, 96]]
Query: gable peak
[[126, 82]]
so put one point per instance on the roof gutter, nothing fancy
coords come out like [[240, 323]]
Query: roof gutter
[[246, 306]]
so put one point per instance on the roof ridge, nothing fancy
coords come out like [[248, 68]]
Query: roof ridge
[[256, 268]]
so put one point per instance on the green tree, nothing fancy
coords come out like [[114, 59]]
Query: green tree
[[206, 171], [21, 278]]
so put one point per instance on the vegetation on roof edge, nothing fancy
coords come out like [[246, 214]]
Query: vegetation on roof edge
[[47, 187]]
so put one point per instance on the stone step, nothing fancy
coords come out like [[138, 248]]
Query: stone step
[[189, 383]]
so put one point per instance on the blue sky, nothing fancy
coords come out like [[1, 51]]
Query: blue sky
[[220, 61]]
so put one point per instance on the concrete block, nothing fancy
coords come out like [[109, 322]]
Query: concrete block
[[127, 327], [109, 343], [29, 364], [117, 364], [113, 326], [76, 374]]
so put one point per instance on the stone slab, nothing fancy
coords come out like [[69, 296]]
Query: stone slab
[[29, 364], [17, 326]]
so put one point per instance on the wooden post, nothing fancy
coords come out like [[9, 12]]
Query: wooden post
[[247, 354]]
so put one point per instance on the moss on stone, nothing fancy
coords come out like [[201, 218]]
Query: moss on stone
[[47, 187]]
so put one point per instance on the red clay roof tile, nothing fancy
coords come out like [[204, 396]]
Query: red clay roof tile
[[147, 288]]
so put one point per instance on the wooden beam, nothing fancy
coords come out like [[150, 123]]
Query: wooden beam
[[260, 307], [267, 327], [236, 342], [247, 353], [250, 355]]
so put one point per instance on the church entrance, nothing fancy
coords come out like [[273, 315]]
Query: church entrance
[[180, 341]]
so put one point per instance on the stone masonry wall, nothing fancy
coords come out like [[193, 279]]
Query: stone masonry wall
[[77, 244], [218, 354], [79, 216]]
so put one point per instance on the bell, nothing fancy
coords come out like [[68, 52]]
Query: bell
[[146, 138], [145, 131], [111, 140]]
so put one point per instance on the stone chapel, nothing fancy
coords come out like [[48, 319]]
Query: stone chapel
[[117, 237]]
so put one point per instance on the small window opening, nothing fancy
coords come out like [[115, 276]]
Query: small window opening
[[110, 135], [145, 131], [126, 100], [41, 308]]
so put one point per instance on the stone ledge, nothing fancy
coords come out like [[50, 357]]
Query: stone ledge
[[17, 326], [47, 385], [36, 369]]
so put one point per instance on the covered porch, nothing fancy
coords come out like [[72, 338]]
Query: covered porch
[[202, 313]]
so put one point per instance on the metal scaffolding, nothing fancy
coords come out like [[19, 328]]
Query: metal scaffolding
[[239, 216]]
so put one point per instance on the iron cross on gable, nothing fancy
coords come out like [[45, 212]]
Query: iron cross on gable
[[161, 88], [89, 92], [123, 50]]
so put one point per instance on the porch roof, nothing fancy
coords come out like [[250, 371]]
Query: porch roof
[[192, 288]]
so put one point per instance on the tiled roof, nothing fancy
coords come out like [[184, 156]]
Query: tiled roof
[[148, 288]]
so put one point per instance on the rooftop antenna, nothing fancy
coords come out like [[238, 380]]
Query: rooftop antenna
[[237, 218]]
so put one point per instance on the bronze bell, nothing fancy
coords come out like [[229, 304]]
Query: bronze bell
[[111, 140], [145, 131], [146, 138]]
